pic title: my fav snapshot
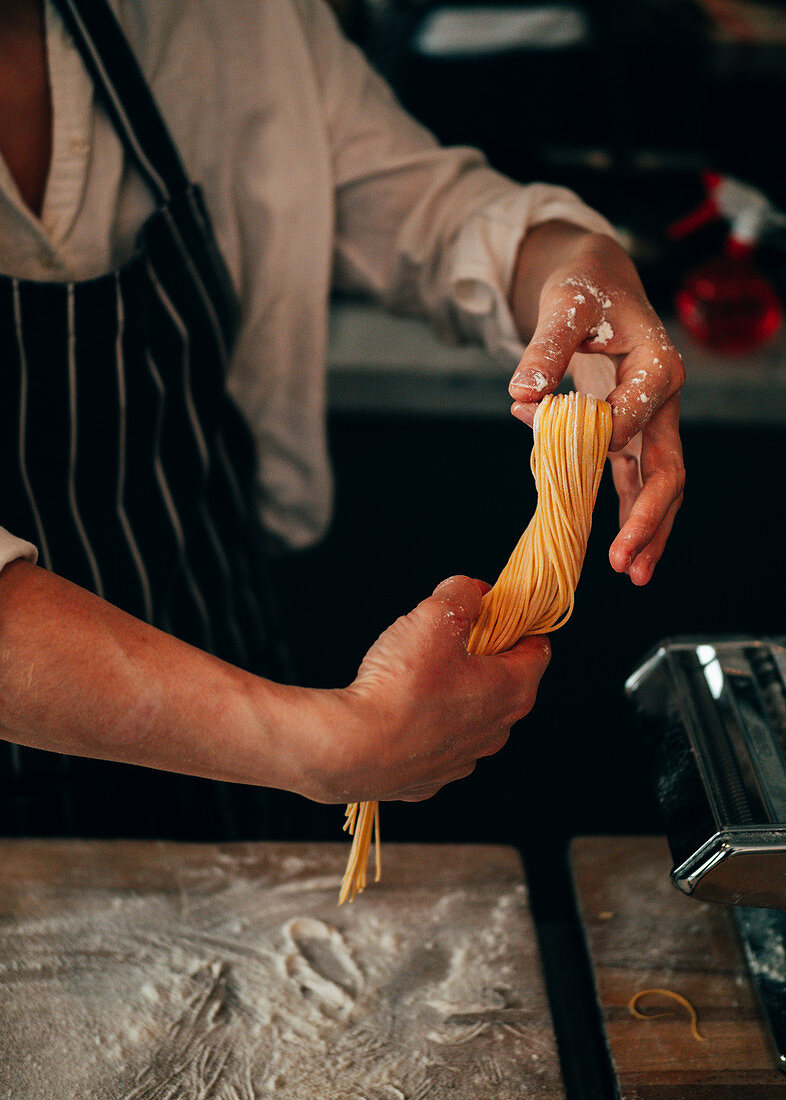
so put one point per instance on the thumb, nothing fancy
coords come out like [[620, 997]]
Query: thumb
[[518, 672], [529, 656], [458, 600], [565, 321]]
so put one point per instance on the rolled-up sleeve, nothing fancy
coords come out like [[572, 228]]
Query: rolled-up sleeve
[[12, 548], [424, 229]]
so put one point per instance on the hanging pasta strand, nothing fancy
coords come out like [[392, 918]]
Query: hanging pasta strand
[[535, 591], [362, 820]]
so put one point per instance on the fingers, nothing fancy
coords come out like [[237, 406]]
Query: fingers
[[524, 411], [512, 680], [528, 659], [420, 794], [427, 790], [509, 684], [648, 376], [525, 664], [650, 516], [496, 743], [427, 709], [627, 481], [642, 568]]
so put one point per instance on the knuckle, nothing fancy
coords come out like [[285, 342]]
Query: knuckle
[[420, 794], [524, 704], [455, 605], [502, 739], [643, 527], [527, 703], [545, 652], [665, 470], [496, 740], [523, 695], [678, 375], [673, 477]]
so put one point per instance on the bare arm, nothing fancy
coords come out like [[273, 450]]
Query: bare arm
[[79, 676]]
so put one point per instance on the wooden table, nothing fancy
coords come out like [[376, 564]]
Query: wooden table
[[643, 934], [159, 971]]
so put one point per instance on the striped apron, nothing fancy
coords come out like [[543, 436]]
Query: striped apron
[[125, 461]]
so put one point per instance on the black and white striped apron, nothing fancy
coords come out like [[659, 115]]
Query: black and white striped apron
[[123, 458]]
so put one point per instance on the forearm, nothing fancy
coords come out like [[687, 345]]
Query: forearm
[[79, 676]]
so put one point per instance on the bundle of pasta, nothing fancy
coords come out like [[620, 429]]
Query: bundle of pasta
[[534, 593]]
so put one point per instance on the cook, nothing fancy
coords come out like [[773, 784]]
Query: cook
[[181, 186]]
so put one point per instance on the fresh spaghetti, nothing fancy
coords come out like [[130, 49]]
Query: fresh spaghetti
[[534, 593], [674, 996]]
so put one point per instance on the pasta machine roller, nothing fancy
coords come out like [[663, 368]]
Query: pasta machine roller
[[714, 713]]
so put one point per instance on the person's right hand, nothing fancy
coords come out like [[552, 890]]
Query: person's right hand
[[424, 710], [111, 687]]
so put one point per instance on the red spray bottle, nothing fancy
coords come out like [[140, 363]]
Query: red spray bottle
[[726, 304]]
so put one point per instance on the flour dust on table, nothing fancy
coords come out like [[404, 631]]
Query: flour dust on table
[[237, 981]]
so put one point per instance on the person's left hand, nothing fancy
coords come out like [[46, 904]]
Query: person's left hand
[[591, 300]]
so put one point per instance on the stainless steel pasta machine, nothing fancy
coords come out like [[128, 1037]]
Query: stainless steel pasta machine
[[714, 714]]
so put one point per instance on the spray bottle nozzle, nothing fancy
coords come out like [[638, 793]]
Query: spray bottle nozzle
[[748, 211]]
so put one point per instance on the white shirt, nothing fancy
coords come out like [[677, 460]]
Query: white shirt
[[314, 177]]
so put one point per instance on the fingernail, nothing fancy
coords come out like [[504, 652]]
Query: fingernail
[[529, 380], [525, 413], [624, 547]]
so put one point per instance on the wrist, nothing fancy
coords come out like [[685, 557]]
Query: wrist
[[312, 741]]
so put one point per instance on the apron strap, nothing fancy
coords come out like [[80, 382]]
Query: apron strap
[[109, 59]]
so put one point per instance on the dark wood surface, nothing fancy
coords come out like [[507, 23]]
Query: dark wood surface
[[160, 970], [643, 934]]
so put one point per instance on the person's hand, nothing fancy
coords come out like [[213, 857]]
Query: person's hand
[[590, 300], [423, 710]]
